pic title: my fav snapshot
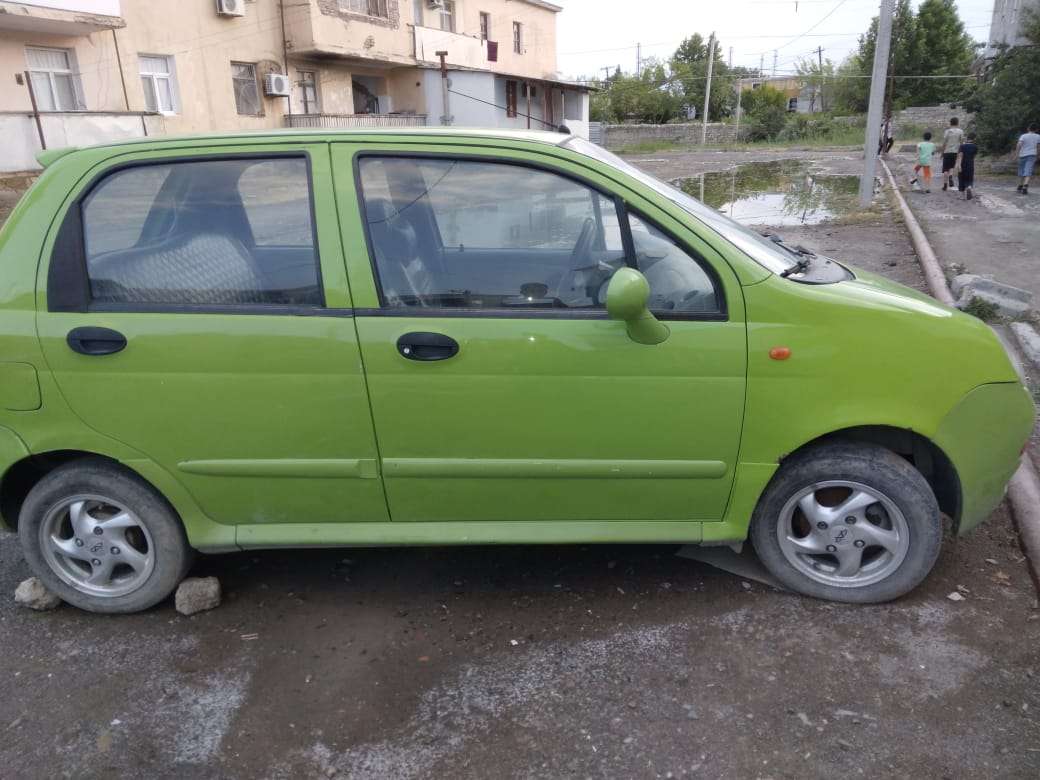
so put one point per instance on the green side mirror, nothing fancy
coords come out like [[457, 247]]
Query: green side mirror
[[627, 296]]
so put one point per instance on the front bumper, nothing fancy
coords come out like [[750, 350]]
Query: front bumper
[[983, 436]]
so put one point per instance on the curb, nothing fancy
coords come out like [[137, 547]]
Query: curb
[[1024, 488]]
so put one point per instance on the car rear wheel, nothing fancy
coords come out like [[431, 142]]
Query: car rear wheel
[[102, 539], [848, 522]]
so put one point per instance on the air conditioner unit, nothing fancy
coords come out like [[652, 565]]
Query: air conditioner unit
[[438, 4], [231, 7], [277, 85]]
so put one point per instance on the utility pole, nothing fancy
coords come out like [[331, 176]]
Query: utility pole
[[819, 83], [639, 59], [740, 91], [446, 116], [774, 61], [877, 99], [707, 89], [730, 62], [761, 64], [606, 72]]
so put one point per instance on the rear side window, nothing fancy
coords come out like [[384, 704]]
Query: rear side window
[[216, 232]]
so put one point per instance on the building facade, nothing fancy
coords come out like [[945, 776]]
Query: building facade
[[801, 98], [105, 69], [1005, 28]]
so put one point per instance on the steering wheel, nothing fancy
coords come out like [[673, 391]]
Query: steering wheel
[[581, 257]]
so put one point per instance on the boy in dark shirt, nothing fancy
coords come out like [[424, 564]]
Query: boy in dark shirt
[[966, 166]]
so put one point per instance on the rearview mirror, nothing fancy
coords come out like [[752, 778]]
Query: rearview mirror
[[627, 296]]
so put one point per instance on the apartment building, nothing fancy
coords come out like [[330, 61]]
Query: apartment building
[[104, 69], [801, 98], [1006, 27]]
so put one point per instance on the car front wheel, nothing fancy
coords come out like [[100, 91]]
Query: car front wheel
[[102, 539], [848, 522]]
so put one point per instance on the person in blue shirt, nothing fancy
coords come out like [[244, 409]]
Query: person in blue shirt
[[1027, 146], [966, 166]]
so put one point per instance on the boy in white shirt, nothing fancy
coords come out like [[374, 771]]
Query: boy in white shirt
[[951, 144], [1027, 147]]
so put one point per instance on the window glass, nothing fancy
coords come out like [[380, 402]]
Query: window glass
[[247, 93], [54, 83], [518, 38], [157, 82], [448, 16], [219, 232], [678, 283], [468, 234]]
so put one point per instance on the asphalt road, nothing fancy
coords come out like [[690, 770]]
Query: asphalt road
[[522, 662]]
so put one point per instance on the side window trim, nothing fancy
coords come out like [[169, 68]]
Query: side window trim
[[624, 209], [68, 280]]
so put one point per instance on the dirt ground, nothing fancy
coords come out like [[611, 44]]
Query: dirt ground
[[523, 662]]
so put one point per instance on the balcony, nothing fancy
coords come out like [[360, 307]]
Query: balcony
[[61, 17], [337, 121], [463, 50]]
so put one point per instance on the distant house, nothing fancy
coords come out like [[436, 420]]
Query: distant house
[[800, 97], [1007, 23], [106, 69]]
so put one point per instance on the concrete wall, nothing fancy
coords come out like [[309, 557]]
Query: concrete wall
[[21, 140], [934, 118], [1006, 24], [620, 136]]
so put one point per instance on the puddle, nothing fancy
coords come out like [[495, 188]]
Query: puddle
[[782, 192]]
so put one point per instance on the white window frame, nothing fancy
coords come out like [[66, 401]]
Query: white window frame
[[447, 16], [518, 38], [485, 30], [49, 73], [364, 8], [256, 83], [170, 76], [303, 84]]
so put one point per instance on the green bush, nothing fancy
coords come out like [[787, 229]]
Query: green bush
[[766, 111]]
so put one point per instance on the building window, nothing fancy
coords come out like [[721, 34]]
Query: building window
[[485, 26], [511, 99], [160, 91], [448, 16], [307, 91], [54, 80], [366, 7], [247, 92], [518, 38], [792, 104]]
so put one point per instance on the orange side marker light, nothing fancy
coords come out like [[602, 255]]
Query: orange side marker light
[[780, 353]]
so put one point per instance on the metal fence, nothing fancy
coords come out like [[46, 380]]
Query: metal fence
[[332, 121], [596, 132]]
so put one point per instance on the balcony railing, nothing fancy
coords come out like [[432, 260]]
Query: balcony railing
[[333, 121]]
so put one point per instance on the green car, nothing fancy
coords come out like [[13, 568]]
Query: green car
[[464, 337]]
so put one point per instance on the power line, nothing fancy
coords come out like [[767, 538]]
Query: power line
[[827, 16]]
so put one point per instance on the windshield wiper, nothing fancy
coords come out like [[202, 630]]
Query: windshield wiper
[[800, 266]]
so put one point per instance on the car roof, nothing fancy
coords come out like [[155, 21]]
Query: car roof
[[284, 135]]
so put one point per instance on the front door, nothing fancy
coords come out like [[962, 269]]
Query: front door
[[198, 311], [501, 390]]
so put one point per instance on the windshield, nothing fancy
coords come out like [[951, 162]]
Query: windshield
[[759, 248]]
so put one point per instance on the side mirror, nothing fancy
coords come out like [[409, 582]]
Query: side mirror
[[627, 296]]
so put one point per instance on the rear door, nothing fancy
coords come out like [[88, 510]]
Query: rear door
[[501, 390], [197, 309]]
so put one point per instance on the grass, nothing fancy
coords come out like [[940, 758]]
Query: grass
[[984, 310], [848, 136]]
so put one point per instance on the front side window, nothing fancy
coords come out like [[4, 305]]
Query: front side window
[[481, 235], [518, 38], [247, 91], [218, 232], [448, 16], [54, 80], [160, 93]]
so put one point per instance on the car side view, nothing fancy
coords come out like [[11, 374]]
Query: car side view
[[441, 336]]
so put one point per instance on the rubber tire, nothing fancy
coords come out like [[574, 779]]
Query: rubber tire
[[91, 475], [871, 465]]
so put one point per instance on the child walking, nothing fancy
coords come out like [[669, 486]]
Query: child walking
[[1027, 149], [951, 145], [966, 166], [925, 150]]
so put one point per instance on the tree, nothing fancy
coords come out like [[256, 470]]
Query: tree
[[645, 98], [689, 73], [1008, 99], [819, 78], [766, 110], [931, 42]]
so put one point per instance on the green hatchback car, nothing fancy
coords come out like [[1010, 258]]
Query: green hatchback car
[[464, 337]]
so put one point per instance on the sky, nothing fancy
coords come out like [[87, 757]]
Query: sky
[[593, 34]]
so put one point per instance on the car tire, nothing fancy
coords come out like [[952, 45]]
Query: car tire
[[102, 539], [848, 521]]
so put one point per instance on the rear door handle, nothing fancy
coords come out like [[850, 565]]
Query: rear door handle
[[96, 341], [427, 346]]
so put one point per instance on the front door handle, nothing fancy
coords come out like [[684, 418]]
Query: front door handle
[[427, 346], [96, 341]]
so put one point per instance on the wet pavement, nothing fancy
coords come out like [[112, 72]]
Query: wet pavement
[[523, 662]]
